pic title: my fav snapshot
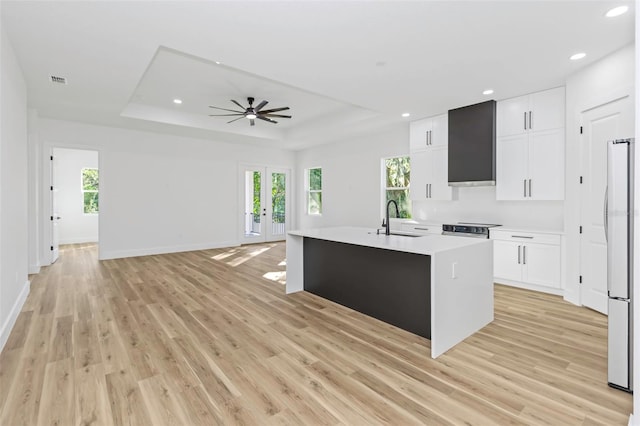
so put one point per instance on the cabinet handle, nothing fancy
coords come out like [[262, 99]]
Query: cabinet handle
[[426, 190], [525, 120], [524, 255], [430, 137], [530, 122], [524, 187], [522, 236], [529, 187], [519, 254], [426, 137], [429, 190], [420, 229]]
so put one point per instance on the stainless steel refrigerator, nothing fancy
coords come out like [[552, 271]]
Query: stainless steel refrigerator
[[619, 234]]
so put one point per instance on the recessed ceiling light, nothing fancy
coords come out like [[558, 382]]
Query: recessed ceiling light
[[405, 114], [577, 56], [617, 11], [488, 92], [218, 62], [177, 101]]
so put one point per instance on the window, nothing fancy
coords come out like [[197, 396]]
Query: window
[[397, 173], [314, 190], [90, 190]]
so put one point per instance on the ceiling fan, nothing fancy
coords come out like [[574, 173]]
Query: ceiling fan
[[252, 112]]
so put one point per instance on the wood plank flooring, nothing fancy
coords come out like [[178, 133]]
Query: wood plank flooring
[[209, 337]]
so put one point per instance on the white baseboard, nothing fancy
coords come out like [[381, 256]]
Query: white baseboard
[[34, 269], [117, 254], [80, 240], [8, 324], [527, 286]]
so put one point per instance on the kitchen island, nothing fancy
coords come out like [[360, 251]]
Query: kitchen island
[[439, 287]]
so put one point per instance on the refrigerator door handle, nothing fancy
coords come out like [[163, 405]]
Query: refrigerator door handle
[[606, 213]]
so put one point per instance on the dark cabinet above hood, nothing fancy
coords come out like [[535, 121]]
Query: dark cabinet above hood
[[472, 145]]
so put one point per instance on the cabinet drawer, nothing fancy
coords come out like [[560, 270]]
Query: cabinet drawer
[[524, 237], [422, 228]]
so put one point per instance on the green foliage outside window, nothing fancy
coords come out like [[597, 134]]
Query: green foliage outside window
[[397, 178], [90, 188], [278, 187], [314, 192]]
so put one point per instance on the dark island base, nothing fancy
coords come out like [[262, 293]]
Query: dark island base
[[391, 286]]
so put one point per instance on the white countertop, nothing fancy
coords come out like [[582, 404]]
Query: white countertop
[[427, 244]]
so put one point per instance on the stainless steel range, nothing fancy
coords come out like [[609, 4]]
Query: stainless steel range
[[475, 230]]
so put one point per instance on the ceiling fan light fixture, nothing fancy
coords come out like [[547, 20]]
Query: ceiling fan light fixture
[[251, 116]]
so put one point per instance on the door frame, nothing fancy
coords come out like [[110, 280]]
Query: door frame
[[593, 104], [45, 235], [266, 235]]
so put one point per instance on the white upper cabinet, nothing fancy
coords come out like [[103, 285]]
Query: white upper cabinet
[[428, 145], [531, 113], [429, 177], [428, 132], [530, 147]]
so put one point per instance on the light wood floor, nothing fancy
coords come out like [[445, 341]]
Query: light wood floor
[[209, 337]]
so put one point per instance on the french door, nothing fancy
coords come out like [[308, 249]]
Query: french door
[[265, 203]]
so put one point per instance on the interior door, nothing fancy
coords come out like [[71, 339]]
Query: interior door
[[55, 214], [613, 120], [266, 204]]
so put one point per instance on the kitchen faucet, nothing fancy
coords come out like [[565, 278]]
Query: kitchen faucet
[[388, 225]]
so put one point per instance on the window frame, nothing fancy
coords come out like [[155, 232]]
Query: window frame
[[93, 191], [385, 188], [309, 191]]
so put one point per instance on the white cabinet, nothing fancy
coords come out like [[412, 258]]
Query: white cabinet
[[429, 174], [428, 132], [429, 159], [531, 113], [527, 259], [530, 147]]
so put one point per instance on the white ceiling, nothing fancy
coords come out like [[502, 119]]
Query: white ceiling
[[344, 67]]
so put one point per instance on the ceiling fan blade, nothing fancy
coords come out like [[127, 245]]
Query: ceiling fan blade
[[253, 122], [267, 111], [261, 105], [225, 109], [275, 115], [236, 102], [261, 117], [235, 119], [225, 115]]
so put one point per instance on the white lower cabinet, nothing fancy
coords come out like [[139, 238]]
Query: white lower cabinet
[[528, 259]]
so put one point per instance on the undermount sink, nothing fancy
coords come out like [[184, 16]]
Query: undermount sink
[[399, 234]]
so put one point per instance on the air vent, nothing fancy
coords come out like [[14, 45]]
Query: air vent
[[58, 80]]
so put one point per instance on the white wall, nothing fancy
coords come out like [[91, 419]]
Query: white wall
[[351, 176], [14, 284], [478, 204], [602, 81], [75, 226], [635, 420], [161, 193]]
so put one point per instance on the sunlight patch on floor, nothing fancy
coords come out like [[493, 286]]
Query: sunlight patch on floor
[[240, 260], [226, 254], [277, 276]]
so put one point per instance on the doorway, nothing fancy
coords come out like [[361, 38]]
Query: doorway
[[612, 120], [265, 204], [74, 203]]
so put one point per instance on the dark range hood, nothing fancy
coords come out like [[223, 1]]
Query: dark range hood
[[472, 145]]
